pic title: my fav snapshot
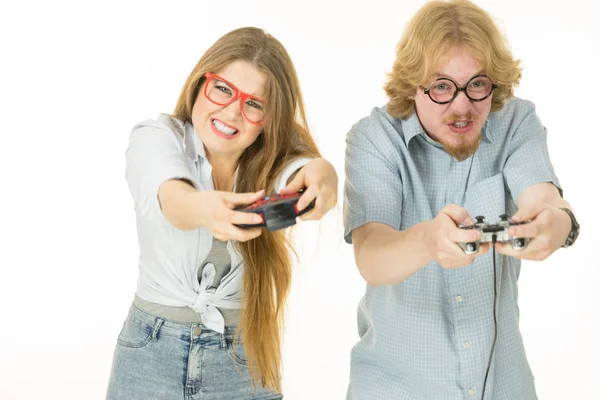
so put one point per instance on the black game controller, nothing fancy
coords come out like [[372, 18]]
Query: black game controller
[[277, 212], [499, 229]]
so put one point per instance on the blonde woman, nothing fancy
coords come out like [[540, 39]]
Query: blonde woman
[[207, 316]]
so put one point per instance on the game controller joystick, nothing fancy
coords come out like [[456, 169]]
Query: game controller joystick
[[500, 230], [277, 212]]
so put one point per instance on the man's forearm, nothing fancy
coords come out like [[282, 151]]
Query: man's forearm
[[559, 202], [386, 256], [539, 194]]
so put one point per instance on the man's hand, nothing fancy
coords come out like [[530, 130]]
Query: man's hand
[[549, 226], [444, 236], [547, 232]]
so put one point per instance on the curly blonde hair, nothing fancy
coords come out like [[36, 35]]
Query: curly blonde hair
[[437, 28]]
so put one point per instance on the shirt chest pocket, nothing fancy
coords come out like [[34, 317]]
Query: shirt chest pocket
[[487, 198]]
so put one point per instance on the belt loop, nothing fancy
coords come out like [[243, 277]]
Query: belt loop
[[223, 341], [157, 326]]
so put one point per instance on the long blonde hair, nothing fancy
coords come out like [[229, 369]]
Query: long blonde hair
[[267, 259], [430, 35]]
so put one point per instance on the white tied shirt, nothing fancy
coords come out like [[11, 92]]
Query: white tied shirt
[[160, 150]]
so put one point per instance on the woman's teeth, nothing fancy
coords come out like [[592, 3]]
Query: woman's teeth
[[223, 129]]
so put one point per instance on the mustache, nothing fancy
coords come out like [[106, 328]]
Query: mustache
[[456, 117]]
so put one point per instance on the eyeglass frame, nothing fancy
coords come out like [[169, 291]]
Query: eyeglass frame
[[459, 89], [237, 95]]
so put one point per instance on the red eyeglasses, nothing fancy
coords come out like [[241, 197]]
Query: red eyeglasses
[[222, 92]]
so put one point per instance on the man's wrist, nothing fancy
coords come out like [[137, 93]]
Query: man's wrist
[[574, 231]]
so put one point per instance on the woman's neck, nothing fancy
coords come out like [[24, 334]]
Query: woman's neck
[[223, 172]]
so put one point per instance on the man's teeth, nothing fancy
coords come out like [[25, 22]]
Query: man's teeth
[[223, 129], [461, 124]]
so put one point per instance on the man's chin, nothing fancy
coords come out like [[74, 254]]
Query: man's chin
[[464, 149]]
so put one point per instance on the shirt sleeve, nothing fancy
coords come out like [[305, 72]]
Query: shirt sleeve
[[281, 180], [528, 160], [373, 187], [154, 156]]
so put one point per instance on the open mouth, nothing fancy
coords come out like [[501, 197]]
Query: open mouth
[[223, 130], [461, 126]]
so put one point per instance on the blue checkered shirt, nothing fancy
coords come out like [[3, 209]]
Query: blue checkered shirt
[[430, 336]]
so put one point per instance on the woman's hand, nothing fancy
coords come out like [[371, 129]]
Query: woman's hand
[[187, 209], [216, 213], [319, 181]]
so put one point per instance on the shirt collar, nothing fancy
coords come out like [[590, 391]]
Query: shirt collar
[[193, 147], [412, 127]]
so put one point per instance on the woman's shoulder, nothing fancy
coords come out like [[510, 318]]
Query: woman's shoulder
[[163, 133], [165, 123]]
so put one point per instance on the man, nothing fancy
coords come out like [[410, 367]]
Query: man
[[452, 143]]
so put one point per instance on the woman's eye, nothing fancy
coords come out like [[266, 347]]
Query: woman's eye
[[224, 89], [254, 104]]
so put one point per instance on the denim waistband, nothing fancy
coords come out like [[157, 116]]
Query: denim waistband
[[184, 315], [184, 331]]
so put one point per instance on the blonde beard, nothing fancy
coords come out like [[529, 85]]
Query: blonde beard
[[464, 149]]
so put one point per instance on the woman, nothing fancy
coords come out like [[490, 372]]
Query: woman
[[206, 320]]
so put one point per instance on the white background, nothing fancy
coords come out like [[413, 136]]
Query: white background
[[76, 76]]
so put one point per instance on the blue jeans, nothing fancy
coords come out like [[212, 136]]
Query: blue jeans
[[159, 359]]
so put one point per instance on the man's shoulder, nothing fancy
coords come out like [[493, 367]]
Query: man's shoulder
[[378, 122], [513, 108], [506, 121]]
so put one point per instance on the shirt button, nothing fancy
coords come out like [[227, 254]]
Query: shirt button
[[471, 392], [466, 345], [197, 331], [458, 299]]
